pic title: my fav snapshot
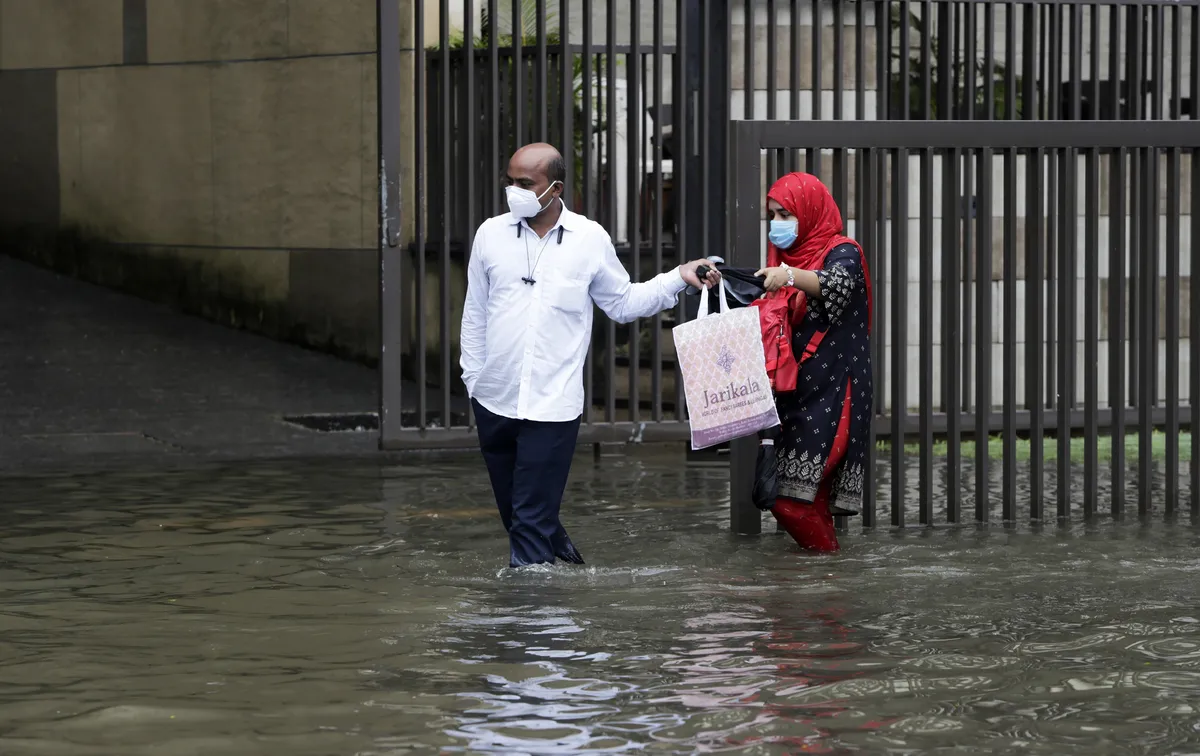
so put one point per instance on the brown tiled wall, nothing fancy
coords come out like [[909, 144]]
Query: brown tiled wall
[[218, 155]]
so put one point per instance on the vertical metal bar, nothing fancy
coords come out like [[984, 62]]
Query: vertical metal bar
[[1091, 332], [704, 94], [520, 131], [989, 59], [772, 83], [1176, 110], [391, 298], [970, 199], [1010, 61], [983, 338], [1115, 41], [1155, 49], [839, 73], [1155, 45], [587, 176], [470, 135], [539, 95], [680, 157], [952, 321], [1075, 56], [961, 111], [1148, 320], [1193, 283], [899, 361], [839, 60], [447, 125], [905, 62], [1117, 298], [883, 70], [611, 209], [945, 60], [926, 62], [637, 176], [818, 59], [860, 62], [656, 235], [879, 182], [793, 162], [1054, 30], [567, 98], [1066, 326], [1134, 60], [1097, 74], [1010, 336], [1043, 57], [972, 58], [1173, 249], [419, 223], [748, 84], [494, 115], [1035, 342], [745, 248], [1029, 59], [925, 341], [872, 246], [970, 195]]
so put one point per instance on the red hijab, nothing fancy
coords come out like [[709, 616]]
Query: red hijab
[[818, 230]]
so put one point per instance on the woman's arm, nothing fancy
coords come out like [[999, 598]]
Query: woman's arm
[[804, 280]]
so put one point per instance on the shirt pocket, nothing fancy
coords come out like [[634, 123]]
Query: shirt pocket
[[569, 294]]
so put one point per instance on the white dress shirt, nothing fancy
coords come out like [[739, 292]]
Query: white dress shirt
[[524, 346]]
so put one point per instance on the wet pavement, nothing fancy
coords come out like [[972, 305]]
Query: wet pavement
[[363, 608], [91, 377]]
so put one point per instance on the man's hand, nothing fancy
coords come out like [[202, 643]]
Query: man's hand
[[688, 271]]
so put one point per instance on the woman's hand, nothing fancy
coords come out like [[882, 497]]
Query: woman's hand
[[777, 278]]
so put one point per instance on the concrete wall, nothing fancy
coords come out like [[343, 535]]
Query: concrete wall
[[216, 155]]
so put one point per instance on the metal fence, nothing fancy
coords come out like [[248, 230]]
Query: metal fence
[[1059, 209], [643, 96], [608, 83]]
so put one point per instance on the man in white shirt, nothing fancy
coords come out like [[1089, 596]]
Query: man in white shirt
[[533, 277]]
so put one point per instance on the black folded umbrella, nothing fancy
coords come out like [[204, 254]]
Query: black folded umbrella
[[741, 286], [766, 489]]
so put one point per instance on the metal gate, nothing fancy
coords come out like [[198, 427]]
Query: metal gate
[[634, 94], [1039, 209], [643, 95]]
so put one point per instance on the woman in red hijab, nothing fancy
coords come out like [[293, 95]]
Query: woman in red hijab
[[822, 443]]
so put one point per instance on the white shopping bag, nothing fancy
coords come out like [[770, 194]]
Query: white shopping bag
[[724, 373]]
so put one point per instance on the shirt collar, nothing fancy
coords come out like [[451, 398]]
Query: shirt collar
[[567, 219]]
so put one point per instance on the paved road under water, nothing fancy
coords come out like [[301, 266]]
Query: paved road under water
[[348, 608]]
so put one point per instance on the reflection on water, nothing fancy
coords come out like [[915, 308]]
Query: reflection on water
[[353, 609]]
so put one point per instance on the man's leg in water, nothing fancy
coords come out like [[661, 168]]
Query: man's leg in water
[[498, 442], [544, 454]]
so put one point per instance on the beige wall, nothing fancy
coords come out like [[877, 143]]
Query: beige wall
[[233, 174]]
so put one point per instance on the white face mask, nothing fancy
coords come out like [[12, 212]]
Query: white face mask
[[524, 203]]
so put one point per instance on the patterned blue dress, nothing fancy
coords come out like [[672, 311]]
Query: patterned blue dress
[[839, 370]]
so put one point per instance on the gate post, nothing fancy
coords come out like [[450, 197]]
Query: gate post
[[387, 61], [746, 251]]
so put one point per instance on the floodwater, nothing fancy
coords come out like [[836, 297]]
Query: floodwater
[[352, 608]]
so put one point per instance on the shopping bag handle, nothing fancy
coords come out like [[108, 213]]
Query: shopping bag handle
[[703, 310]]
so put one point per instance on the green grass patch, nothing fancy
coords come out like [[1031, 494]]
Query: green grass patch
[[1104, 448]]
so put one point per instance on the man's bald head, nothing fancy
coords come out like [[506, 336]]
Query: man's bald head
[[540, 169], [543, 157]]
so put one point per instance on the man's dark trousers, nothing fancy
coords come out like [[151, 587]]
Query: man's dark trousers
[[528, 463]]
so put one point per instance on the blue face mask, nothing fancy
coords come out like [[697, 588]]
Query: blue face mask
[[782, 233]]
